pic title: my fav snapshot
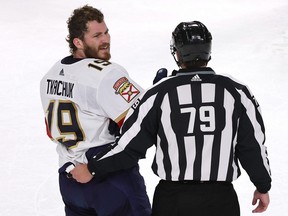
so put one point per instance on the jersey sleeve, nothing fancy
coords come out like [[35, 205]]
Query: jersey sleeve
[[116, 93], [250, 148], [138, 134]]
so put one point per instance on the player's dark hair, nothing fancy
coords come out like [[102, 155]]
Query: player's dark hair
[[77, 23]]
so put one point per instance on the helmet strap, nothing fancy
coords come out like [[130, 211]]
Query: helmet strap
[[177, 62]]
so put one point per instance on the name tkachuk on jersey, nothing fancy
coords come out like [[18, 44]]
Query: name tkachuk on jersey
[[60, 88]]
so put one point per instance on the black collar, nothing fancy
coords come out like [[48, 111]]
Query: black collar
[[192, 71], [70, 60]]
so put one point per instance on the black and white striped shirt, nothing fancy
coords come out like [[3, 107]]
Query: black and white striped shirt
[[201, 123]]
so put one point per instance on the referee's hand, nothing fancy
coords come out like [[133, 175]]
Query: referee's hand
[[81, 173], [263, 201]]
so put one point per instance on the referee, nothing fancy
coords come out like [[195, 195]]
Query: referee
[[203, 125]]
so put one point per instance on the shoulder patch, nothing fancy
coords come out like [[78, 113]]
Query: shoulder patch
[[125, 89]]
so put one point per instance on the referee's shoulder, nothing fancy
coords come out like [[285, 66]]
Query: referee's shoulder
[[227, 79], [163, 85]]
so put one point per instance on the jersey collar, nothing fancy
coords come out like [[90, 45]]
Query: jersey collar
[[193, 71], [70, 60]]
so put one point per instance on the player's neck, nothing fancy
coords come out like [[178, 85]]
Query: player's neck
[[79, 54]]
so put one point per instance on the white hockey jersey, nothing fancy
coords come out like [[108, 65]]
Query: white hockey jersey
[[79, 97]]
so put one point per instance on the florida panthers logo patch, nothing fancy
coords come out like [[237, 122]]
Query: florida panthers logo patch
[[125, 89]]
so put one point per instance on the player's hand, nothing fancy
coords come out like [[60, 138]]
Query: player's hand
[[263, 201], [81, 173], [161, 73]]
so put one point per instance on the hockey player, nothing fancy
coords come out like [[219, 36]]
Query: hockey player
[[80, 95], [203, 125]]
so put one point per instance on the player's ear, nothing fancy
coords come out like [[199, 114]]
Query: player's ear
[[78, 43]]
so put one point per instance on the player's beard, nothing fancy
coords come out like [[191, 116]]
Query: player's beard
[[103, 52]]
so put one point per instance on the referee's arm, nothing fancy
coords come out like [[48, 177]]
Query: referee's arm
[[250, 148], [139, 134]]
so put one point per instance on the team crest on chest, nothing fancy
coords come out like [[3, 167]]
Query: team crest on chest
[[125, 89]]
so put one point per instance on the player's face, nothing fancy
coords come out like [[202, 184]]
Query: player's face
[[97, 41]]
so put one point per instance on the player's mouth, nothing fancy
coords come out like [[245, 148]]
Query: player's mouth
[[105, 47], [104, 51]]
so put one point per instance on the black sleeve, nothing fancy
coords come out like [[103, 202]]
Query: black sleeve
[[117, 162], [250, 148], [139, 132]]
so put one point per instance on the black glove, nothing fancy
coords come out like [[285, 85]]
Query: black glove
[[161, 73], [114, 128]]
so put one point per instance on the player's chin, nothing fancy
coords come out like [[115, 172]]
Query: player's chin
[[105, 55]]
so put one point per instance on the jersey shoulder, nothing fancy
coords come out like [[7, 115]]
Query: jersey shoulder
[[228, 79], [89, 71], [99, 65]]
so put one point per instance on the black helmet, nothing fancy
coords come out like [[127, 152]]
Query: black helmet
[[192, 41]]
